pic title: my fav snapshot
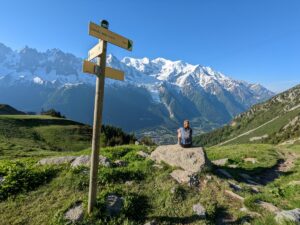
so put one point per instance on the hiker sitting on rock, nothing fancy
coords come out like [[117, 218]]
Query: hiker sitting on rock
[[185, 135]]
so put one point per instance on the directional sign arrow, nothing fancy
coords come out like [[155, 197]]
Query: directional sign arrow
[[92, 68], [109, 36]]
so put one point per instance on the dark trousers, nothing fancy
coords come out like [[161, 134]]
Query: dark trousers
[[186, 145]]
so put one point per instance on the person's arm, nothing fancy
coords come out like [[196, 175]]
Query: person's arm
[[178, 136]]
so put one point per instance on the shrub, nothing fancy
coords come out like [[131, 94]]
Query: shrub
[[147, 141], [52, 112], [19, 178], [116, 136]]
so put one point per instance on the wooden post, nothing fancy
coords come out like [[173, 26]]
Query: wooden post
[[98, 107]]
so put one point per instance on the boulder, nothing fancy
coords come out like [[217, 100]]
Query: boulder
[[220, 162], [75, 213], [199, 210], [57, 160], [114, 205], [289, 215], [84, 160], [189, 159]]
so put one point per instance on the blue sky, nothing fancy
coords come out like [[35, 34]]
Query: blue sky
[[252, 40]]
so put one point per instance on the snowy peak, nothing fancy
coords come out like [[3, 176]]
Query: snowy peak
[[59, 68]]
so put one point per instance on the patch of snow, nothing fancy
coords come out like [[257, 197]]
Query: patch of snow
[[38, 80]]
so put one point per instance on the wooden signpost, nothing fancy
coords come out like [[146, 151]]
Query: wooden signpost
[[101, 71]]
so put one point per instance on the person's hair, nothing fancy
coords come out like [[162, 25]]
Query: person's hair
[[186, 121]]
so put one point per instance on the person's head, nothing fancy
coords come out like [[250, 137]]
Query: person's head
[[186, 124]]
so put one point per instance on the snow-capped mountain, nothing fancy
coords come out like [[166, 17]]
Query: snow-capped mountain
[[156, 93]]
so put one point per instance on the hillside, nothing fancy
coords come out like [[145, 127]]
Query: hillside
[[274, 121], [8, 110], [26, 136], [149, 193], [156, 92]]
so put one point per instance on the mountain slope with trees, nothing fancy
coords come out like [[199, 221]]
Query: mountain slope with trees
[[274, 121]]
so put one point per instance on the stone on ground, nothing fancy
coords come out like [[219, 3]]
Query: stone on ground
[[84, 160], [182, 176], [289, 215], [114, 205], [199, 210], [268, 206], [220, 162], [129, 183], [120, 163], [142, 154], [1, 179], [234, 186], [189, 159], [75, 213], [152, 222], [233, 166], [224, 173], [234, 195], [252, 160], [57, 160], [294, 182]]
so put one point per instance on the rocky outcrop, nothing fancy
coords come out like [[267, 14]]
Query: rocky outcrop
[[84, 160], [289, 215], [74, 161], [189, 159], [57, 160]]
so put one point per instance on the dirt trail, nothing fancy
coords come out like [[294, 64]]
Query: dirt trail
[[249, 132], [284, 165]]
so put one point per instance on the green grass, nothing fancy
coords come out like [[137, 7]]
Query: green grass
[[29, 136], [265, 154]]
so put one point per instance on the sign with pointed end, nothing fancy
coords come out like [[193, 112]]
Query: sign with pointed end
[[95, 51], [109, 36], [92, 68]]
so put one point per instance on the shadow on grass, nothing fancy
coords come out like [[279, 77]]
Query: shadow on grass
[[256, 176], [178, 220]]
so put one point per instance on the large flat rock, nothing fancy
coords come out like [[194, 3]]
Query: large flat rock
[[189, 159]]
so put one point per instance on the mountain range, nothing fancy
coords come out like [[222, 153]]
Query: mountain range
[[156, 96]]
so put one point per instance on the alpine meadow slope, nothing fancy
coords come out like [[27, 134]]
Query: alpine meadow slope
[[157, 93], [274, 121]]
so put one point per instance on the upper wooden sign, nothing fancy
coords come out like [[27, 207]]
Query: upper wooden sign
[[109, 36]]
